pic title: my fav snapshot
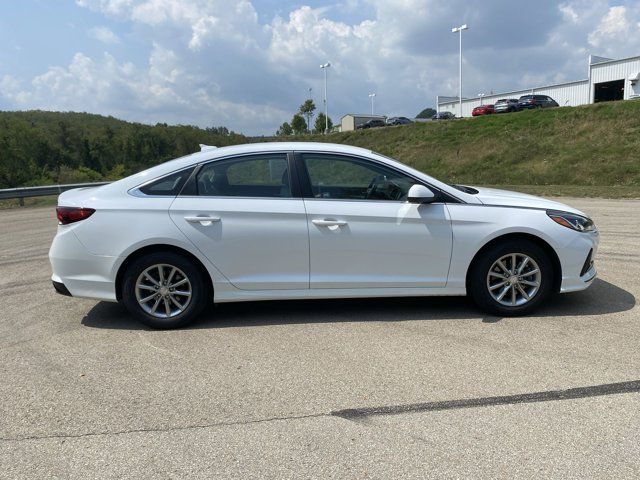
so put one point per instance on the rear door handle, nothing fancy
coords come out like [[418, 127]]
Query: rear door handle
[[329, 223], [202, 219]]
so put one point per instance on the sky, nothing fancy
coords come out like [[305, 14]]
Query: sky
[[249, 64]]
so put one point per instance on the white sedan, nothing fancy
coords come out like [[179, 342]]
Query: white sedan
[[273, 221]]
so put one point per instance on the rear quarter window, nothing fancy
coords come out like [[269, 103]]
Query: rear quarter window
[[169, 185]]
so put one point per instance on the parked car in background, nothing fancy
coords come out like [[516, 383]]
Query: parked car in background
[[505, 105], [537, 101], [482, 110], [373, 123], [275, 221], [398, 121], [443, 116]]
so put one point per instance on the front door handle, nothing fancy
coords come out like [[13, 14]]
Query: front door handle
[[329, 223], [204, 220]]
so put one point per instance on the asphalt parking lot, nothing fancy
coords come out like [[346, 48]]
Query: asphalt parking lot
[[402, 388]]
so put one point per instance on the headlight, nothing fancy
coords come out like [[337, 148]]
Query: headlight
[[572, 221]]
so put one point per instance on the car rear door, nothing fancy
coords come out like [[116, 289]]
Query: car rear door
[[363, 233], [245, 216]]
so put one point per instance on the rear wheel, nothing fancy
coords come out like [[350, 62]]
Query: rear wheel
[[511, 279], [164, 290]]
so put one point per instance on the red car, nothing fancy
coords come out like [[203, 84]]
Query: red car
[[483, 110]]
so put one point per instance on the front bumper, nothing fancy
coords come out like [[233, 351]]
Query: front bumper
[[577, 262]]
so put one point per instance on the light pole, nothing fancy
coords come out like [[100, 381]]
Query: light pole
[[324, 67], [371, 96], [481, 95], [309, 113], [459, 30]]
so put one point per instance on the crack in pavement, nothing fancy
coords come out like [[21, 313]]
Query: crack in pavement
[[159, 429], [360, 415]]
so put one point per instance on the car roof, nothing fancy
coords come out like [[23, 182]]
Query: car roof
[[209, 154]]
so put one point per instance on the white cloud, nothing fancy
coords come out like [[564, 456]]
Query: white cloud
[[614, 26], [104, 35], [162, 92], [569, 13], [213, 62], [206, 19]]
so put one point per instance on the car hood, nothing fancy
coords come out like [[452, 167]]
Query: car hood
[[506, 198]]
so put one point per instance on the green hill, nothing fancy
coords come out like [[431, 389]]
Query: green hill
[[581, 149], [591, 150]]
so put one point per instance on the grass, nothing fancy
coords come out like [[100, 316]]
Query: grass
[[553, 151]]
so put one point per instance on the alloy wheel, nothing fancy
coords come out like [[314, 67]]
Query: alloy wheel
[[514, 279], [163, 291]]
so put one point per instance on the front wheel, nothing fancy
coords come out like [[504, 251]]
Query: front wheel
[[164, 290], [511, 279]]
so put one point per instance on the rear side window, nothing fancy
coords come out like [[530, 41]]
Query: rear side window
[[169, 185], [265, 175]]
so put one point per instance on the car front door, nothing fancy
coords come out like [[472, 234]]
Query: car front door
[[244, 216], [362, 231]]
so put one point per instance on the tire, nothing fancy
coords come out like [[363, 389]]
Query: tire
[[484, 283], [173, 308]]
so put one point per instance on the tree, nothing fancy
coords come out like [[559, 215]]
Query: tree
[[307, 109], [427, 113], [321, 124], [49, 147], [298, 124], [284, 130]]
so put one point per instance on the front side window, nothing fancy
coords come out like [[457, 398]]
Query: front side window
[[347, 178], [264, 175]]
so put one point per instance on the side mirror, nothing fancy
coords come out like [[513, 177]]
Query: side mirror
[[420, 194]]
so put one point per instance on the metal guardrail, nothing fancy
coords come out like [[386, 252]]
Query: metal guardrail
[[26, 192]]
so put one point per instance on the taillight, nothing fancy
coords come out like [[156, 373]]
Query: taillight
[[68, 215]]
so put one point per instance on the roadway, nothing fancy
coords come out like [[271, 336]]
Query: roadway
[[402, 388]]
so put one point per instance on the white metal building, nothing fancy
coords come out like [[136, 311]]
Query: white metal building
[[608, 79]]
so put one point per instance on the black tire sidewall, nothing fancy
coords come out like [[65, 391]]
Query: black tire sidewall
[[477, 285], [199, 290]]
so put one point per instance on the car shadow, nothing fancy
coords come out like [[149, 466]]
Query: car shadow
[[602, 298]]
